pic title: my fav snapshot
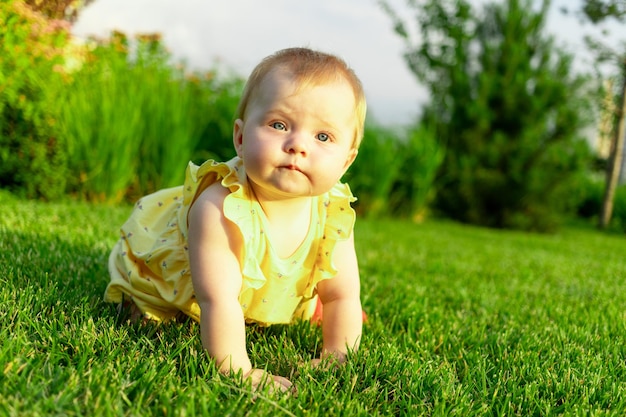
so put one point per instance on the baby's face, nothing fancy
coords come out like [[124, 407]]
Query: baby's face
[[296, 142]]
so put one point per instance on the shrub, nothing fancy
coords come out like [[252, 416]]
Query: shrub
[[618, 221], [591, 189], [375, 170], [592, 195], [32, 161], [394, 172], [414, 189]]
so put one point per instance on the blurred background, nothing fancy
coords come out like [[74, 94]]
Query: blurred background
[[503, 113], [235, 35]]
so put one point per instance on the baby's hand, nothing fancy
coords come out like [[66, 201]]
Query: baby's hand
[[261, 379], [315, 363]]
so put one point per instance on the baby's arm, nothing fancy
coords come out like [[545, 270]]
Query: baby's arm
[[342, 314], [214, 245]]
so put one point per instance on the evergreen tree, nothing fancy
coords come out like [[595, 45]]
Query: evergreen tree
[[507, 107]]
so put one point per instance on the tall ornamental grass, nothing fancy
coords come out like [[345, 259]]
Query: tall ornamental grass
[[100, 117], [131, 119]]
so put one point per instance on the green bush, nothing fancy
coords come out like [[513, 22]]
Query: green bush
[[32, 161], [591, 196], [414, 189], [394, 172], [591, 189], [619, 209], [375, 170]]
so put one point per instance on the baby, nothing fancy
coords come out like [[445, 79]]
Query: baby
[[263, 238]]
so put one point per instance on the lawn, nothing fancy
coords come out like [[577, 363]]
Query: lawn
[[462, 321]]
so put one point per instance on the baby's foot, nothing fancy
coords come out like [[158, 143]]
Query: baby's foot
[[128, 310]]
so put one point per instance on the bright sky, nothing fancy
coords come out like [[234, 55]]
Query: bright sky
[[236, 34]]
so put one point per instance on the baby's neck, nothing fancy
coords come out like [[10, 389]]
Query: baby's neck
[[288, 223], [286, 211]]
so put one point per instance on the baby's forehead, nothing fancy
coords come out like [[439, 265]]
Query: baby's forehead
[[300, 81]]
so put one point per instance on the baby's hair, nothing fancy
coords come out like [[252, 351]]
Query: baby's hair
[[308, 67]]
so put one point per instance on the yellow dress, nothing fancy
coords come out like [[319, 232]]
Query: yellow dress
[[150, 262]]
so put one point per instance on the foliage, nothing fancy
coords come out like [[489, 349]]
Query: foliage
[[31, 59], [468, 334], [394, 172], [592, 194], [121, 124], [216, 140], [507, 109], [415, 187], [374, 170], [123, 121], [132, 119], [598, 10], [619, 209], [128, 119], [58, 9]]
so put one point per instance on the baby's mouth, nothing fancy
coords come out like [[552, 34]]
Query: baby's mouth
[[291, 167]]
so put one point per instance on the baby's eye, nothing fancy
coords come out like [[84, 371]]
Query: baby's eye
[[278, 126], [323, 137]]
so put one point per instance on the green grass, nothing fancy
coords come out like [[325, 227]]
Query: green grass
[[462, 321]]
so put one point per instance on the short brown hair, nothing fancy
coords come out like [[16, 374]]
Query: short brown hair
[[308, 67]]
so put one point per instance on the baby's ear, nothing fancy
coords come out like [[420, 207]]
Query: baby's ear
[[238, 136], [351, 157]]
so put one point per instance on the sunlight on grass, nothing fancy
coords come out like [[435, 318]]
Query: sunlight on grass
[[462, 321]]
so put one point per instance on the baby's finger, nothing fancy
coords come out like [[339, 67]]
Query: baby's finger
[[285, 385], [282, 383]]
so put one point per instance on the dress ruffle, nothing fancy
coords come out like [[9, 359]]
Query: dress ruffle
[[339, 222]]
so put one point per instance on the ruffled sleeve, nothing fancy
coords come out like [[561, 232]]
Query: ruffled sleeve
[[199, 177], [238, 208], [339, 222]]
